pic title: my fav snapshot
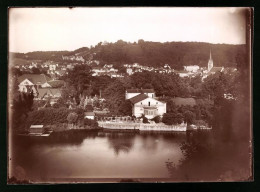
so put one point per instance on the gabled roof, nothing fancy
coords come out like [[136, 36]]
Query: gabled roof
[[140, 90], [34, 78], [43, 91], [55, 91], [138, 98], [216, 69], [56, 83]]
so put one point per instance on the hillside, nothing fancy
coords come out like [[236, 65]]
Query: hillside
[[176, 54]]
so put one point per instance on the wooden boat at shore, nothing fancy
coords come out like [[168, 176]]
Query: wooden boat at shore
[[46, 134], [37, 131]]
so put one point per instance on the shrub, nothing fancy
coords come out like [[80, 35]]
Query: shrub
[[145, 120], [72, 117], [90, 123], [172, 118], [156, 119], [51, 116]]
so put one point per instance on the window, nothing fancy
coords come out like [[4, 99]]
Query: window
[[141, 103], [156, 103], [149, 112], [149, 103]]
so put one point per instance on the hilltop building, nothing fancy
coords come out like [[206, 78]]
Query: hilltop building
[[211, 69], [192, 68]]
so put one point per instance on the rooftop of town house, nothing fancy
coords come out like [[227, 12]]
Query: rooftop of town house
[[140, 91], [215, 69], [43, 91], [89, 113], [138, 98], [56, 83], [181, 71], [34, 78]]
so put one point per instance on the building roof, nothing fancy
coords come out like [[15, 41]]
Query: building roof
[[34, 78], [216, 69], [138, 98], [55, 91], [140, 90], [43, 91], [56, 83], [184, 101], [89, 114]]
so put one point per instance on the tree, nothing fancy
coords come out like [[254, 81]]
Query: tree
[[36, 70], [72, 118], [115, 97], [215, 86], [125, 108], [156, 119], [189, 117], [91, 123], [79, 79], [172, 118]]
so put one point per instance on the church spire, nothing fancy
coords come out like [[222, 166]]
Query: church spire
[[210, 63]]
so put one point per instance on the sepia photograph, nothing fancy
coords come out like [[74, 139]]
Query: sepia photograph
[[129, 94]]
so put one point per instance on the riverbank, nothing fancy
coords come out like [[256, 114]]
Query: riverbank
[[142, 126]]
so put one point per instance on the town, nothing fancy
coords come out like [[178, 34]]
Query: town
[[82, 87], [129, 94]]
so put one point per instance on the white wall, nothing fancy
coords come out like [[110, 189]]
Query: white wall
[[89, 117], [138, 109], [22, 85]]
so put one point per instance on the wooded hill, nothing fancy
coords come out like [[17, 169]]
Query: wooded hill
[[176, 54]]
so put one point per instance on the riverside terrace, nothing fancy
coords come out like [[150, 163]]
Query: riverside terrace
[[127, 123]]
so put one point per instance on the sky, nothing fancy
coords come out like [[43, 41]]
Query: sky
[[57, 29]]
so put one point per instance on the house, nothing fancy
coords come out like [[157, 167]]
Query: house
[[150, 107], [45, 93], [31, 82], [183, 73], [134, 92], [89, 115], [129, 71], [191, 68]]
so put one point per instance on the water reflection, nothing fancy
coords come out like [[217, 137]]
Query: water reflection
[[97, 154], [121, 142]]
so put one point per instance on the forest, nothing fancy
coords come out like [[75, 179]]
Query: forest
[[156, 54]]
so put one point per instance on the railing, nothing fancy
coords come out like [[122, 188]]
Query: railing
[[142, 126]]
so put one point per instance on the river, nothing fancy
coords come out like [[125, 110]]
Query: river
[[97, 155]]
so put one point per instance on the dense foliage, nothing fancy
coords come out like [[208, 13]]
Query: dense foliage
[[49, 116], [176, 54]]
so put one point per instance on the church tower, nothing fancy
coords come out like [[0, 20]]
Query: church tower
[[210, 63]]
